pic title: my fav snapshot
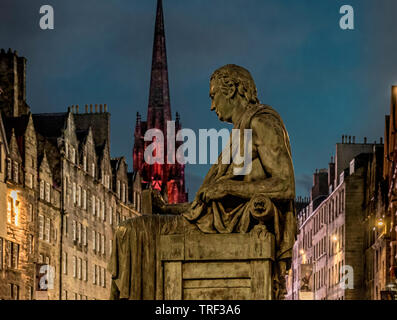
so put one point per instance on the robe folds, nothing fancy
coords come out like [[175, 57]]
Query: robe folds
[[134, 255]]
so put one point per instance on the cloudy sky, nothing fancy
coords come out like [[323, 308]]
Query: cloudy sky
[[324, 81]]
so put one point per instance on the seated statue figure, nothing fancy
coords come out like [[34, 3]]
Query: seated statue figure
[[226, 202]]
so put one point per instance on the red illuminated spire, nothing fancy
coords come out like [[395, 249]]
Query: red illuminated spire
[[159, 109]]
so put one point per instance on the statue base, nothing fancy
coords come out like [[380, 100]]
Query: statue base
[[215, 266]]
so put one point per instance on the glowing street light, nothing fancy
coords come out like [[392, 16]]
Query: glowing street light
[[380, 223]]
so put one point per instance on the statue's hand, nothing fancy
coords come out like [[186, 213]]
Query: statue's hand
[[214, 191]]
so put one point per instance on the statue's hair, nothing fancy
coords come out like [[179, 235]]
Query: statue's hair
[[232, 74]]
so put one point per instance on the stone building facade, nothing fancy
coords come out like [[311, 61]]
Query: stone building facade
[[385, 232], [332, 231], [62, 196]]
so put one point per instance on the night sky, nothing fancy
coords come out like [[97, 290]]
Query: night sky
[[324, 81]]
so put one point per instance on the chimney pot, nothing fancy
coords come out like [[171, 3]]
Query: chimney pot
[[96, 108], [381, 140], [86, 108], [77, 109], [343, 139], [90, 108], [73, 109], [105, 108], [350, 139], [365, 140], [100, 108]]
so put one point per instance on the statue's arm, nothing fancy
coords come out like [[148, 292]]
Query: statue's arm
[[268, 138]]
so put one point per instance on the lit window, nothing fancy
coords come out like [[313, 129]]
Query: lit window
[[48, 192], [79, 266], [84, 235], [98, 242], [41, 189], [93, 205], [94, 274], [79, 196], [103, 244], [74, 230], [1, 254], [79, 232], [65, 263], [93, 240], [74, 266], [9, 169], [124, 193], [16, 172], [47, 229], [84, 199], [30, 244], [74, 192], [41, 227]]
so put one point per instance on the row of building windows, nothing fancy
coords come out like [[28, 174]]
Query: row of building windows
[[334, 276], [121, 189], [80, 270], [319, 248], [45, 191], [9, 254], [13, 171], [47, 231], [75, 296]]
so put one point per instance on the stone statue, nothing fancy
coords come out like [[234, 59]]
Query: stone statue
[[227, 203]]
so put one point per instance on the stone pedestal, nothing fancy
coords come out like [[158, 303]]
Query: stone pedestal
[[215, 266]]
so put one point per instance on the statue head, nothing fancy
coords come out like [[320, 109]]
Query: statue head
[[231, 86]]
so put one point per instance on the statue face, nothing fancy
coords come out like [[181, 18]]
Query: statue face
[[220, 103]]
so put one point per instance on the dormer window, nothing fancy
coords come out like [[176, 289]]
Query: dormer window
[[47, 192], [124, 193], [42, 189], [16, 172], [9, 169], [118, 189], [72, 155]]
